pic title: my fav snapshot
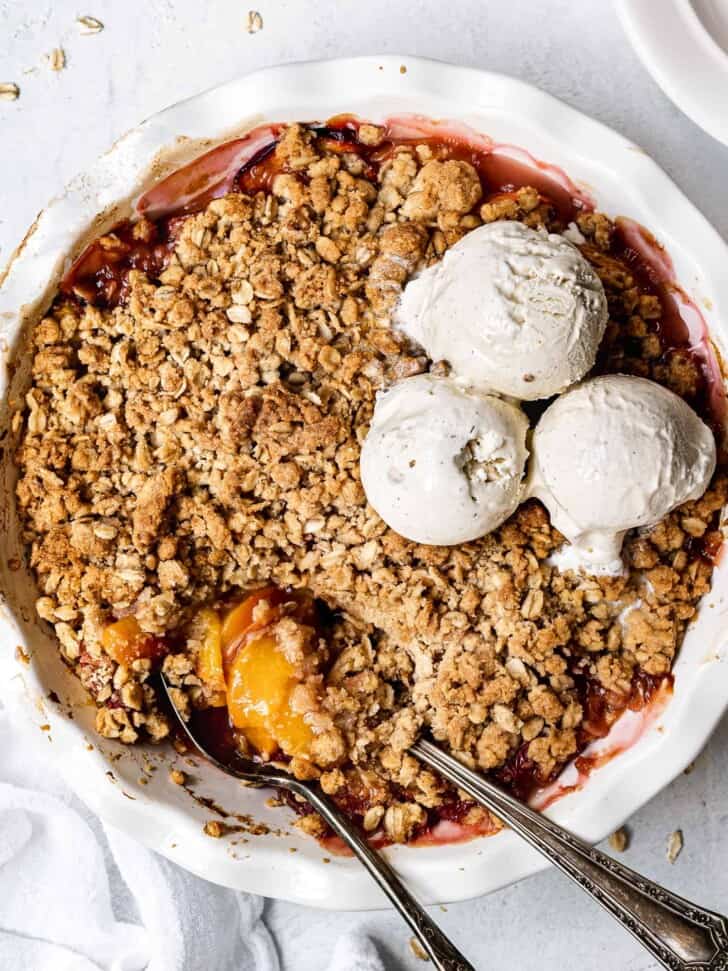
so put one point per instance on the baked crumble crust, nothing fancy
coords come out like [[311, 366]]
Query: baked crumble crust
[[203, 438]]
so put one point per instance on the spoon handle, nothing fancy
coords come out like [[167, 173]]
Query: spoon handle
[[680, 934], [443, 954]]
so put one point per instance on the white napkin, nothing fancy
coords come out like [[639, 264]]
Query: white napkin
[[76, 895], [355, 952]]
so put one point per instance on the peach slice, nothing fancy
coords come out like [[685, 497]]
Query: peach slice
[[260, 683], [239, 621], [209, 661], [126, 642]]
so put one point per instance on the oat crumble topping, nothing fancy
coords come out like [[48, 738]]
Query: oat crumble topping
[[202, 438]]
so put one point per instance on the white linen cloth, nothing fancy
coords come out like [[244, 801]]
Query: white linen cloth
[[76, 895]]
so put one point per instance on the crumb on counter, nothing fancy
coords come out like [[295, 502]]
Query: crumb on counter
[[620, 839], [675, 845], [417, 949], [254, 22], [56, 59], [9, 91], [89, 25]]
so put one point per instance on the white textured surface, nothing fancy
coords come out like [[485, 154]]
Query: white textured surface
[[156, 52]]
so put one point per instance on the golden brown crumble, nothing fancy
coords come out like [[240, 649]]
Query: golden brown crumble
[[203, 437]]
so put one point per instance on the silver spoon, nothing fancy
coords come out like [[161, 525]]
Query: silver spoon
[[680, 934], [442, 953]]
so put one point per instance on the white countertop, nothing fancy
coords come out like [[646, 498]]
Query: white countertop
[[160, 51]]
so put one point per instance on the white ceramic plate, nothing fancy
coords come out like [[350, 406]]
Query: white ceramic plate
[[684, 46], [107, 776]]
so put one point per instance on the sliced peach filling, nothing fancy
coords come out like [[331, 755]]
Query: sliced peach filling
[[241, 664], [259, 609], [260, 684], [126, 642], [240, 656]]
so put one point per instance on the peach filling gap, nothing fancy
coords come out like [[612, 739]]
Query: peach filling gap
[[244, 664]]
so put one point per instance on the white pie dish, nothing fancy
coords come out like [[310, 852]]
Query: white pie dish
[[623, 181], [684, 46]]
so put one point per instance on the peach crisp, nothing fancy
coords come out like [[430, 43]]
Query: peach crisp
[[189, 488]]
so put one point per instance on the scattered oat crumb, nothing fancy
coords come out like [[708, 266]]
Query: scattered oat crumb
[[56, 59], [443, 908], [326, 860], [213, 828], [89, 25], [417, 949], [255, 22], [45, 728], [402, 69], [619, 840], [9, 91], [21, 656], [177, 777], [675, 845], [689, 768], [292, 849]]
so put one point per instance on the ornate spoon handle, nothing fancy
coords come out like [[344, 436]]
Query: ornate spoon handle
[[443, 954], [680, 934]]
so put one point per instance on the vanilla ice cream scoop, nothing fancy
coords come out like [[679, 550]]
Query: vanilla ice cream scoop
[[614, 453], [442, 465], [514, 310]]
